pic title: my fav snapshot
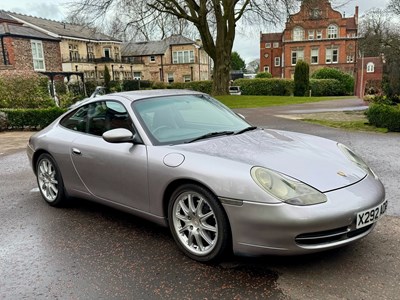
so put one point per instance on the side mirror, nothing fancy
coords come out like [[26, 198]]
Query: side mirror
[[119, 135], [240, 115]]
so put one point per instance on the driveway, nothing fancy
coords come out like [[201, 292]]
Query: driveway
[[88, 251]]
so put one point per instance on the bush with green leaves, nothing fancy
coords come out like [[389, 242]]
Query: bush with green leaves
[[384, 116], [263, 75], [199, 86], [24, 90], [346, 81], [325, 87], [265, 87], [159, 85], [301, 79], [31, 118]]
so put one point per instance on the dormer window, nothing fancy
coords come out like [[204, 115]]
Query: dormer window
[[298, 34], [370, 67], [333, 31]]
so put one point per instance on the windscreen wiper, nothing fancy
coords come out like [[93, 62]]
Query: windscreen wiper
[[211, 134], [250, 128]]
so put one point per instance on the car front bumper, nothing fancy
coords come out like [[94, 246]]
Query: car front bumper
[[283, 229]]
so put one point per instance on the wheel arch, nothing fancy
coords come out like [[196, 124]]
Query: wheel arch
[[172, 186], [36, 156]]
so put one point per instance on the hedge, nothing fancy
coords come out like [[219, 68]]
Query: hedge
[[265, 87], [346, 81], [326, 87], [31, 118], [200, 86], [24, 90], [384, 116]]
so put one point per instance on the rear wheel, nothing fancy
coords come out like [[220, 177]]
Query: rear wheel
[[50, 181], [198, 223]]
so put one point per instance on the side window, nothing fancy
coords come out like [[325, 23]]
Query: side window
[[98, 117], [76, 120]]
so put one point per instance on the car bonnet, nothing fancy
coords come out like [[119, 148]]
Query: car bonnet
[[315, 161]]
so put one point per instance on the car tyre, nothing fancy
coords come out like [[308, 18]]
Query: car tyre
[[198, 223], [50, 181]]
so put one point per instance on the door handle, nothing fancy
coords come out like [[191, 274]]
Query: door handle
[[76, 151]]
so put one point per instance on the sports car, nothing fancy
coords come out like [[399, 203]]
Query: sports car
[[184, 160]]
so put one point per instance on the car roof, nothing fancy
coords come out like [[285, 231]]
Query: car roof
[[143, 94]]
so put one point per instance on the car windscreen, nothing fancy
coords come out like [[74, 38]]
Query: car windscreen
[[184, 118]]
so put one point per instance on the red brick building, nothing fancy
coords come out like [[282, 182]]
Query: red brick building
[[317, 34], [25, 49], [369, 75]]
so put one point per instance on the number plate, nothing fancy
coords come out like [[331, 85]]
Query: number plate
[[371, 215]]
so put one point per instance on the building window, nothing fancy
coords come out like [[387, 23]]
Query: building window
[[332, 31], [370, 67], [296, 56], [350, 59], [277, 61], [73, 52], [152, 58], [90, 52], [276, 45], [107, 52], [137, 75], [38, 56], [266, 69], [332, 56], [311, 34], [298, 34], [183, 57], [319, 34], [186, 78], [267, 45], [116, 53], [314, 56], [170, 77]]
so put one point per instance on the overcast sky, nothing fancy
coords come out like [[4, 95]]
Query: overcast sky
[[246, 43]]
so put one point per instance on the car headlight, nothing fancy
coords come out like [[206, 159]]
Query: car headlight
[[356, 159], [286, 189]]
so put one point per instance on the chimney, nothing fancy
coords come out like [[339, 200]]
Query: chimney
[[356, 16]]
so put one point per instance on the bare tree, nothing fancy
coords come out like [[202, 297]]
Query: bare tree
[[394, 6], [380, 36]]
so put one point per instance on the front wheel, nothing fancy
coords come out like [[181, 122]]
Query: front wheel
[[198, 223], [50, 181]]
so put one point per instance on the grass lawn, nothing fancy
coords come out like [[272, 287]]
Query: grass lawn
[[350, 125], [263, 101]]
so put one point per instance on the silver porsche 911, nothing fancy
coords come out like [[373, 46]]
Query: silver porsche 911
[[184, 160]]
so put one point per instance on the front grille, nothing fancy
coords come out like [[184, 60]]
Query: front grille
[[330, 236]]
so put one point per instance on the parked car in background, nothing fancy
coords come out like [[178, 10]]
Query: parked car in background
[[184, 160], [235, 90]]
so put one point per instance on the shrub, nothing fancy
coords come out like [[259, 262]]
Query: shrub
[[325, 87], [107, 78], [159, 85], [130, 85], [385, 116], [301, 78], [199, 86], [263, 75], [265, 87], [346, 81], [31, 118], [24, 90]]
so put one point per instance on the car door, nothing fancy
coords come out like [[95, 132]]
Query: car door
[[112, 172]]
